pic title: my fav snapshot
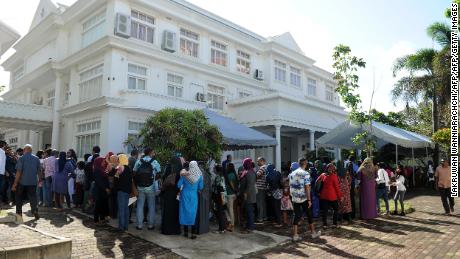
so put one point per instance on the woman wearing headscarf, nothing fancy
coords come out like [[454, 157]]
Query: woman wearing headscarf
[[274, 192], [345, 186], [248, 189], [170, 205], [330, 194], [366, 178], [72, 158], [123, 186], [112, 164], [315, 171], [102, 191], [63, 169], [190, 183]]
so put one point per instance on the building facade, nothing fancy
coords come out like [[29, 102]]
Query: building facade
[[91, 73]]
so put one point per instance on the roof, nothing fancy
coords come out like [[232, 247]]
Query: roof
[[287, 41], [341, 136], [236, 135], [8, 36]]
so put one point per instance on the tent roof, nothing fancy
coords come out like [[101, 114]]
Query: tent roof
[[341, 136], [236, 135]]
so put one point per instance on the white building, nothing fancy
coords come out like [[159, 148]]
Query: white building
[[91, 73]]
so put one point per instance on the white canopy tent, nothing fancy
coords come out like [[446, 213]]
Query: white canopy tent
[[341, 137]]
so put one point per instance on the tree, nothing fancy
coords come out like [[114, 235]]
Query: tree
[[346, 66], [392, 118], [188, 132], [442, 137]]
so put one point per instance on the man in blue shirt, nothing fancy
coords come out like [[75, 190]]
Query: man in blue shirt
[[146, 171], [26, 181]]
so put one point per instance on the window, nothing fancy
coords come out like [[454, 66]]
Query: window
[[295, 76], [66, 94], [90, 85], [189, 43], [142, 26], [311, 88], [93, 29], [280, 71], [218, 53], [175, 85], [137, 77], [88, 136], [134, 129], [243, 62], [329, 93], [18, 73], [216, 97], [241, 154], [137, 126], [13, 140], [50, 98], [243, 94]]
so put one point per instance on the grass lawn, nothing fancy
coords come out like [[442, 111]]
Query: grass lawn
[[407, 206]]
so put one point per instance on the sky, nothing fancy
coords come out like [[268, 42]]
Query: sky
[[378, 31]]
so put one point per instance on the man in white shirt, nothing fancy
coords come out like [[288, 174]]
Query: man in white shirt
[[2, 168], [383, 187]]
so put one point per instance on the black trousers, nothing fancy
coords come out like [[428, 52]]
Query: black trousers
[[325, 205], [31, 192], [275, 208], [447, 201], [101, 208], [193, 229], [219, 211]]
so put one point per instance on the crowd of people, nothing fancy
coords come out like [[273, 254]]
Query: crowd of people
[[191, 193]]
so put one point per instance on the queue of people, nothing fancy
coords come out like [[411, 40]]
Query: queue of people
[[115, 185]]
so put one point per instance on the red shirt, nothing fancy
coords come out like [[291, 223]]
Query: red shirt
[[331, 189]]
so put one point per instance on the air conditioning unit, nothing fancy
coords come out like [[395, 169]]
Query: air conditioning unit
[[200, 97], [259, 74], [123, 25], [169, 41]]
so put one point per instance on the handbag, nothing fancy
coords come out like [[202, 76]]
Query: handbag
[[319, 184]]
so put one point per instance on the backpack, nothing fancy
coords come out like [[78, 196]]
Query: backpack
[[144, 174], [319, 184]]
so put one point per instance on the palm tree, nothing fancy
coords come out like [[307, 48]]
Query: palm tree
[[426, 75]]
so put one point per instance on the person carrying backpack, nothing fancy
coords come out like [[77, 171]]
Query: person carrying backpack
[[146, 171]]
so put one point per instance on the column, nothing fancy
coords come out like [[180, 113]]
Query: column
[[339, 154], [312, 140], [40, 140], [278, 147], [56, 119]]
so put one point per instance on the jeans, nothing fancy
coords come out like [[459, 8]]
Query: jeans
[[48, 191], [325, 205], [150, 196], [250, 216], [261, 205], [382, 192], [123, 210], [31, 191], [399, 196], [447, 201]]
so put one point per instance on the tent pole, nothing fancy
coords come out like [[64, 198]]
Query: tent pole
[[413, 168], [396, 155]]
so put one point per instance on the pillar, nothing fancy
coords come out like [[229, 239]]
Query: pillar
[[56, 119], [40, 140], [312, 140], [339, 154], [278, 147]]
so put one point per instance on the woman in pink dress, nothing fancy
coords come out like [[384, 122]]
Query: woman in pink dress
[[366, 177]]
